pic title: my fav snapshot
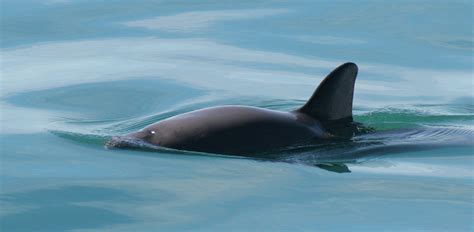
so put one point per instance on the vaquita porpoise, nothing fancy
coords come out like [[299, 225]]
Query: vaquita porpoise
[[246, 131]]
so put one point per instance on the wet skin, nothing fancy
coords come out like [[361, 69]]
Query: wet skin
[[246, 130]]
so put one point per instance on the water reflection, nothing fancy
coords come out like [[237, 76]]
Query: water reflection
[[63, 209], [111, 100]]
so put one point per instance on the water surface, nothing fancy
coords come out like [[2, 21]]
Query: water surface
[[74, 73]]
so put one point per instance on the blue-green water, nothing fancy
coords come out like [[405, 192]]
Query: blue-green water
[[74, 73]]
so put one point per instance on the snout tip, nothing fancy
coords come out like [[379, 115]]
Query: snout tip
[[128, 142], [112, 143], [119, 142]]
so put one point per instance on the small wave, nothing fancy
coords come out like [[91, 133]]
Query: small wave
[[87, 139], [418, 115], [373, 145]]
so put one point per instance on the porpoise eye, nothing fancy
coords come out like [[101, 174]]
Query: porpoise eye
[[153, 132]]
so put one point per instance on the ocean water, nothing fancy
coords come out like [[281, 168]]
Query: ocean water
[[74, 73]]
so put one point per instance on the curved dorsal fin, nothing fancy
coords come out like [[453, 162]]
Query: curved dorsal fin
[[332, 100]]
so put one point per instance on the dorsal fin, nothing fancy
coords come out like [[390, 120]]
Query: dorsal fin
[[332, 100]]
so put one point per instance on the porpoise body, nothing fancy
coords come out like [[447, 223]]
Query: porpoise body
[[246, 130]]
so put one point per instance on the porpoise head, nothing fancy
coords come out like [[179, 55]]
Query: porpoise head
[[145, 138]]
